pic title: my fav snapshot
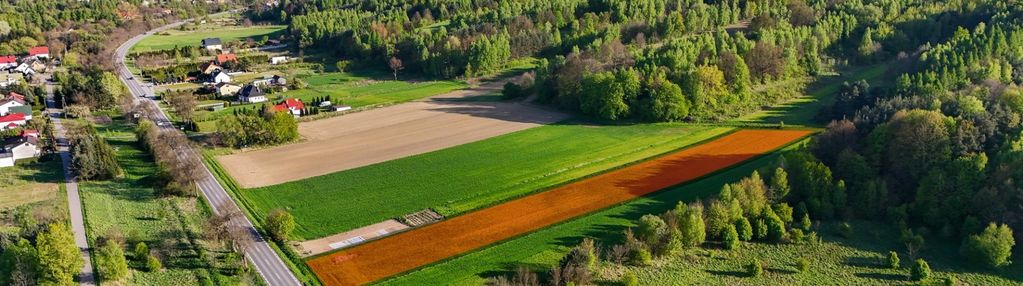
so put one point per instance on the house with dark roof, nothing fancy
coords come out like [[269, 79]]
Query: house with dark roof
[[252, 94], [211, 44], [23, 146]]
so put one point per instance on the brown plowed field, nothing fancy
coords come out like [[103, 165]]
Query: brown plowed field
[[415, 248]]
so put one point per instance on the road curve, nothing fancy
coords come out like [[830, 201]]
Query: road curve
[[258, 252]]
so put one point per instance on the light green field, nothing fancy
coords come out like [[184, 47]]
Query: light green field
[[803, 109], [29, 182], [467, 177], [131, 207], [177, 38]]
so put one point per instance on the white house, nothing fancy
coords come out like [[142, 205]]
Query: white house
[[12, 120], [8, 81], [7, 62], [24, 67], [9, 102], [41, 52], [252, 94], [211, 44], [278, 60], [22, 147], [221, 77]]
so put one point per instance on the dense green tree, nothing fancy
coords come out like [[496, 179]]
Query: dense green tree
[[111, 261], [992, 247], [280, 224]]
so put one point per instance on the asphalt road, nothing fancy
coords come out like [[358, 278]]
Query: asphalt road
[[74, 201], [258, 252]]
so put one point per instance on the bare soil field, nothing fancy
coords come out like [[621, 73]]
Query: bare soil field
[[412, 249], [378, 135]]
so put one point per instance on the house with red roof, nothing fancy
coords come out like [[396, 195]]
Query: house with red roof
[[41, 52], [223, 58], [292, 105], [8, 62], [12, 120]]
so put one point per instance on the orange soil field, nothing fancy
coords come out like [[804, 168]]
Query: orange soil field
[[415, 248]]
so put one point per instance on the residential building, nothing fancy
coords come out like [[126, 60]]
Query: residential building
[[251, 94], [12, 120], [292, 105], [210, 68], [274, 80], [226, 89], [23, 146], [8, 80], [41, 52], [278, 60], [220, 77], [11, 101], [211, 44], [8, 62], [223, 58]]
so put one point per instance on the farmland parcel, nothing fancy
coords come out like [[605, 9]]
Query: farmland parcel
[[467, 177], [413, 249]]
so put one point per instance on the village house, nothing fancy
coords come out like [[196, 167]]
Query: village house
[[274, 80], [211, 44], [278, 60], [251, 94], [23, 146], [12, 120], [210, 68], [226, 89], [220, 77], [8, 80], [8, 62], [224, 58], [292, 105], [12, 100], [25, 68], [41, 52]]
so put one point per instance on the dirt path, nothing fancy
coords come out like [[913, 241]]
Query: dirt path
[[412, 249], [378, 135]]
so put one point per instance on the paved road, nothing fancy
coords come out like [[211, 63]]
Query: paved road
[[267, 263], [74, 201]]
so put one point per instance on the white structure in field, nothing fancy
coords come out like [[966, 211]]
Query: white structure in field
[[24, 146], [221, 77], [251, 94], [278, 60], [212, 44]]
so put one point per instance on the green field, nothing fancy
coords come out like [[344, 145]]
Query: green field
[[467, 177], [177, 38], [852, 260], [129, 206], [29, 182]]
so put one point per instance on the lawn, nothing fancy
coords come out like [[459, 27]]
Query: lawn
[[177, 38], [836, 259], [348, 89], [29, 182], [467, 177], [130, 207]]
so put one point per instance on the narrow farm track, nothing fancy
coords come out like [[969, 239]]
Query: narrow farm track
[[416, 248]]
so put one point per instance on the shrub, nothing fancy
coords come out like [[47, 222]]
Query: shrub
[[992, 247], [802, 265], [951, 280], [110, 261], [775, 228], [641, 257], [730, 238], [754, 269], [759, 229], [796, 235], [921, 271], [630, 279], [744, 229], [805, 224], [690, 223], [845, 230], [141, 251], [511, 90], [153, 264], [651, 229], [893, 260]]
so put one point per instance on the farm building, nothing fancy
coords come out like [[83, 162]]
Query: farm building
[[41, 52], [278, 60], [251, 94], [211, 44], [23, 146], [224, 58], [274, 80]]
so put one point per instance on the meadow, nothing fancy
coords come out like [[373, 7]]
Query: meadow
[[467, 177], [177, 38], [131, 208], [30, 182]]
